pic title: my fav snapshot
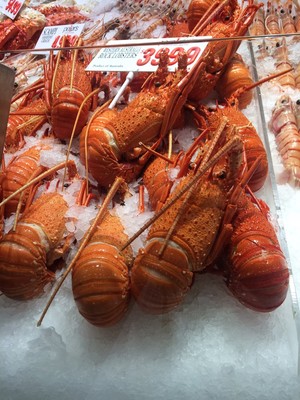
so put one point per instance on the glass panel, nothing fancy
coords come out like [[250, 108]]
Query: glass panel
[[210, 335]]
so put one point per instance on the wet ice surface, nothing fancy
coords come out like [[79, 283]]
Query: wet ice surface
[[211, 347]]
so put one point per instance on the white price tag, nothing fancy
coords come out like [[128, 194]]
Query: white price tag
[[144, 57], [52, 36], [11, 7]]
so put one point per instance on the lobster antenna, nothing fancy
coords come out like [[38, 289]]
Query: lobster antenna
[[155, 153], [74, 59], [170, 141], [74, 128], [36, 85], [229, 145], [18, 210], [56, 64], [207, 17], [261, 81], [181, 210], [99, 218], [57, 167]]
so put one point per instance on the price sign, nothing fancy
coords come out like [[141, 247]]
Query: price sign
[[11, 7], [52, 36], [144, 58]]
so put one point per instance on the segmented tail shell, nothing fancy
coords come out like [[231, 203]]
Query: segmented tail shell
[[258, 274], [26, 252], [64, 112], [160, 284], [100, 278], [17, 174], [19, 126], [236, 76], [254, 146]]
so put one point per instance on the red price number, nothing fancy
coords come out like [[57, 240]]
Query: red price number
[[152, 55], [70, 40], [13, 6]]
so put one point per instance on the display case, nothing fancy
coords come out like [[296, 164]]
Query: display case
[[210, 346]]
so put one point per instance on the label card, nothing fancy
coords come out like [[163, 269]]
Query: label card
[[52, 36], [144, 57], [11, 7]]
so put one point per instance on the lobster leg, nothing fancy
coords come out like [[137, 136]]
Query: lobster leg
[[231, 209]]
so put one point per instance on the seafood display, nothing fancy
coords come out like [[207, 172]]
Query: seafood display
[[145, 236], [199, 216]]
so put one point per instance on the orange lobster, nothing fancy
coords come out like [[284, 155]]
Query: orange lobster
[[254, 147], [61, 15], [18, 172], [228, 20], [68, 89], [100, 276], [198, 8], [26, 253], [36, 241], [20, 33], [256, 271], [235, 76], [109, 143], [190, 231], [25, 121]]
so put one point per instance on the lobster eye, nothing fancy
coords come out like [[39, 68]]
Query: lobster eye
[[222, 175], [157, 84]]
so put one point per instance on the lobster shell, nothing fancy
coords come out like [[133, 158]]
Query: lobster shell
[[254, 146], [26, 252], [70, 87], [236, 76], [217, 54], [257, 273], [17, 174], [100, 278], [19, 126], [160, 281]]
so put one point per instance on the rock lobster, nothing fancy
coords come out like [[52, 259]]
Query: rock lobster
[[109, 144], [163, 272], [256, 272]]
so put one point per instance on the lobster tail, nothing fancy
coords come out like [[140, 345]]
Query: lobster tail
[[64, 112], [257, 274], [17, 174], [254, 149], [23, 271], [100, 278], [160, 284], [97, 139], [26, 251], [261, 283], [100, 284]]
